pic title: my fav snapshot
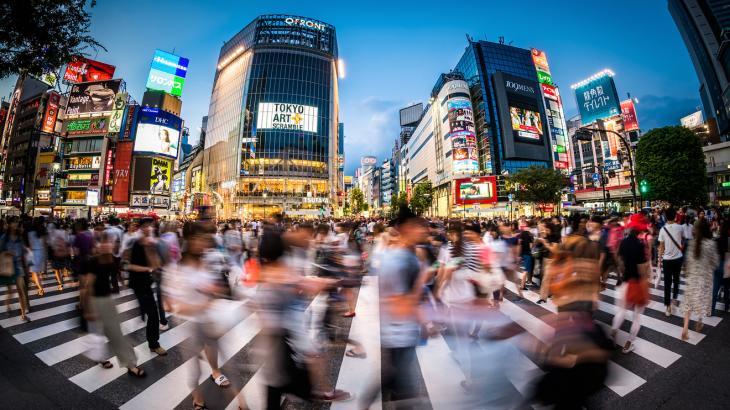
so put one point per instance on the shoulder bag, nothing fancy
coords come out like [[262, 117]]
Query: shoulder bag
[[674, 241]]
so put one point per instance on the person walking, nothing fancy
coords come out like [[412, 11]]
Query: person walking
[[702, 258], [13, 266], [38, 245], [671, 257], [634, 288]]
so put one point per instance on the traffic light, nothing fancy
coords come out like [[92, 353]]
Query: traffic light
[[643, 186], [583, 134]]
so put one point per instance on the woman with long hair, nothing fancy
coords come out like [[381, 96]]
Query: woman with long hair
[[37, 240], [702, 258], [11, 249]]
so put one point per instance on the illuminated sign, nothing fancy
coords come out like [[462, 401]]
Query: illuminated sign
[[482, 190], [160, 176], [368, 161], [693, 120], [87, 126], [293, 21], [122, 164], [597, 97], [92, 197], [76, 163], [463, 139], [167, 73], [155, 201], [82, 70], [115, 120], [92, 97], [49, 120], [550, 92], [560, 164], [158, 132], [539, 58], [526, 122], [282, 116], [559, 148], [544, 78], [628, 113]]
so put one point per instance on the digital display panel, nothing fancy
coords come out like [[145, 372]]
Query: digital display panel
[[158, 132], [526, 123], [167, 73], [482, 190]]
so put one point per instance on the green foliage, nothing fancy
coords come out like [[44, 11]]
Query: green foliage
[[671, 161], [537, 185], [422, 197], [38, 36], [357, 200], [398, 200]]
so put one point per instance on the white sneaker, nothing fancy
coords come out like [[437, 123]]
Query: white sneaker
[[669, 311], [628, 348], [164, 327]]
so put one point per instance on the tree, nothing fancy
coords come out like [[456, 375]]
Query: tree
[[397, 201], [357, 200], [422, 197], [38, 36], [671, 161], [538, 185]]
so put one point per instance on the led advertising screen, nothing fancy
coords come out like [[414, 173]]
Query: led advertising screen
[[167, 73], [160, 176], [93, 97], [526, 123], [482, 190], [82, 70], [628, 113], [597, 98], [463, 139], [158, 132], [281, 116]]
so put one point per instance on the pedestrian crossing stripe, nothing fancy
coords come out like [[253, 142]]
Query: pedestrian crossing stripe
[[440, 373]]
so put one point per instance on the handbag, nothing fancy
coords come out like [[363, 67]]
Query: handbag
[[637, 292], [7, 264]]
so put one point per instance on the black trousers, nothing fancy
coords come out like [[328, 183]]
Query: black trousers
[[672, 268], [148, 308], [160, 308]]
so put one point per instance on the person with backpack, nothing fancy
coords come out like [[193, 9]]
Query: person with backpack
[[671, 257]]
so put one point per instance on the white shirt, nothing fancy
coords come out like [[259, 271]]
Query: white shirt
[[671, 251]]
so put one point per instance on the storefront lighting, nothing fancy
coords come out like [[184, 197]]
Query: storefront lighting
[[341, 68], [231, 57]]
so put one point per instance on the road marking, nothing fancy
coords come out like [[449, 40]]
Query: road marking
[[659, 307]]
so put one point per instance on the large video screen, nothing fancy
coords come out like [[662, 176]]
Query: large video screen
[[463, 139], [92, 97], [158, 132], [481, 190], [526, 123]]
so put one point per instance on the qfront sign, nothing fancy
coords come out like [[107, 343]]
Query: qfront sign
[[597, 98], [281, 116], [293, 21]]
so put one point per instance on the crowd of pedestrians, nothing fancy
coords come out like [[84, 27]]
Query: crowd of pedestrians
[[435, 278]]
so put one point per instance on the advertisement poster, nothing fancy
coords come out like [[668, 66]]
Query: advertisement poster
[[94, 97], [158, 132], [115, 120], [122, 165], [167, 73], [463, 139], [280, 116], [196, 179], [481, 190], [49, 120], [82, 70], [84, 163], [89, 126], [628, 112], [160, 176], [526, 122], [597, 98]]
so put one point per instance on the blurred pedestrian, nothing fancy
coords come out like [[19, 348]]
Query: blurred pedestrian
[[702, 258]]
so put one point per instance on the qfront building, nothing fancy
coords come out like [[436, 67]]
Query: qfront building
[[272, 137]]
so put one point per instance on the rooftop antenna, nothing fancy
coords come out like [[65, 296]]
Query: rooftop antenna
[[501, 39], [510, 43]]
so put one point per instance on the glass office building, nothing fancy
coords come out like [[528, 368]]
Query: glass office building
[[272, 139], [498, 74]]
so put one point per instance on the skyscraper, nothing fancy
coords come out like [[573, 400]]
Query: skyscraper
[[272, 136], [705, 28]]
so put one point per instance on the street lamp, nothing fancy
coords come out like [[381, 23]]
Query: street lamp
[[586, 134]]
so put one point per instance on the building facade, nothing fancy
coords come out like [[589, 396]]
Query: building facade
[[272, 137], [705, 28]]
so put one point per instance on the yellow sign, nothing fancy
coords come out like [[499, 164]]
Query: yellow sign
[[160, 176]]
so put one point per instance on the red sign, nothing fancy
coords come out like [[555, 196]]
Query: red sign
[[49, 121], [628, 112], [481, 190], [549, 91], [120, 191], [560, 164], [82, 70], [108, 166], [546, 207]]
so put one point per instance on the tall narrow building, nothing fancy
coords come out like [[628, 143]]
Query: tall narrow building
[[272, 137]]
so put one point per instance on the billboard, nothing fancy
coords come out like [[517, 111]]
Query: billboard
[[115, 120], [87, 126], [93, 97], [160, 176], [158, 132], [82, 70], [49, 120], [282, 116], [628, 113], [482, 190], [167, 73], [368, 161], [597, 98], [526, 123], [693, 120], [463, 140], [76, 163]]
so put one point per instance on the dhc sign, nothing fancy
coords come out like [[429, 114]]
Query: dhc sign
[[304, 23]]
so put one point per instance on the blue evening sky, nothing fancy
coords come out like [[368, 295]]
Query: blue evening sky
[[395, 50]]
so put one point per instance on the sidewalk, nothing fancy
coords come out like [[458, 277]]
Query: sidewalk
[[27, 383]]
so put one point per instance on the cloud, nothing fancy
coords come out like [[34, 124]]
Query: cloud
[[372, 131], [660, 111]]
